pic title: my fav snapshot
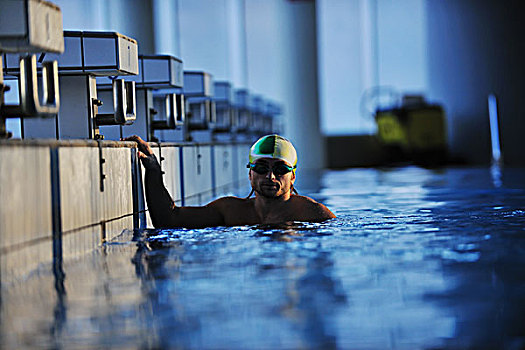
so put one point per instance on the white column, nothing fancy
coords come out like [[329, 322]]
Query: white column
[[302, 94], [236, 13], [212, 38], [282, 65], [369, 43], [166, 26], [84, 14]]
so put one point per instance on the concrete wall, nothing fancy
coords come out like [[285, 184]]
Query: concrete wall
[[61, 199], [475, 47], [26, 215]]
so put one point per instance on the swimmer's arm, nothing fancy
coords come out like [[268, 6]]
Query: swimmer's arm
[[162, 209], [164, 213]]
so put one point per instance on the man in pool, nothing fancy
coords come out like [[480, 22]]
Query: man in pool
[[272, 164]]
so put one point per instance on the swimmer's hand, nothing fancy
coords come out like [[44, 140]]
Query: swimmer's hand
[[145, 152]]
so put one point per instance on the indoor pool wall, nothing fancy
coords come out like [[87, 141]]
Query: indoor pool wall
[[62, 199]]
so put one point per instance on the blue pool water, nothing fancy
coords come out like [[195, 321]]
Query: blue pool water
[[417, 259]]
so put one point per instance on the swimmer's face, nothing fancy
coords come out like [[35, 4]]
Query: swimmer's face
[[269, 184]]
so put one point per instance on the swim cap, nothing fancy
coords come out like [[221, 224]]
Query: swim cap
[[273, 146]]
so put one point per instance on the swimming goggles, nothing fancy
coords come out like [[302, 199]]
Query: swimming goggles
[[278, 169]]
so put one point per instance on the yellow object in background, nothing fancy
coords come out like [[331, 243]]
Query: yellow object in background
[[426, 129], [390, 130], [416, 129]]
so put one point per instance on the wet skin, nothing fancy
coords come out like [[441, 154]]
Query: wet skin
[[270, 185], [273, 203]]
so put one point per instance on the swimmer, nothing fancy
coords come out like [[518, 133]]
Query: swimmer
[[272, 164]]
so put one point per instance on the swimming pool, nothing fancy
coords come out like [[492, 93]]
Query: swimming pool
[[417, 258]]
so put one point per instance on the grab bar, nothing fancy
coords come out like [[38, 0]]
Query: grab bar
[[30, 104], [174, 108], [124, 105]]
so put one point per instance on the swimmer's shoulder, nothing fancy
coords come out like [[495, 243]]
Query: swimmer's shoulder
[[235, 211], [312, 210], [231, 202]]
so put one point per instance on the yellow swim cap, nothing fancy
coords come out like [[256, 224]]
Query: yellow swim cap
[[274, 146]]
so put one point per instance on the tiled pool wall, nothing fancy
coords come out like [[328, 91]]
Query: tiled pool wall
[[62, 199]]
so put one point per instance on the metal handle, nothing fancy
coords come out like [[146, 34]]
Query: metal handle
[[124, 102], [201, 115], [181, 115], [171, 110], [30, 104], [3, 87], [168, 113], [51, 92], [174, 112], [212, 115], [124, 105]]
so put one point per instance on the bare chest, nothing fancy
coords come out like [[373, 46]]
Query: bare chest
[[248, 215]]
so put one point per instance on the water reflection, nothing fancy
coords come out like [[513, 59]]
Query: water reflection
[[485, 262], [313, 293], [496, 172], [314, 299], [158, 270], [60, 309], [291, 287]]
